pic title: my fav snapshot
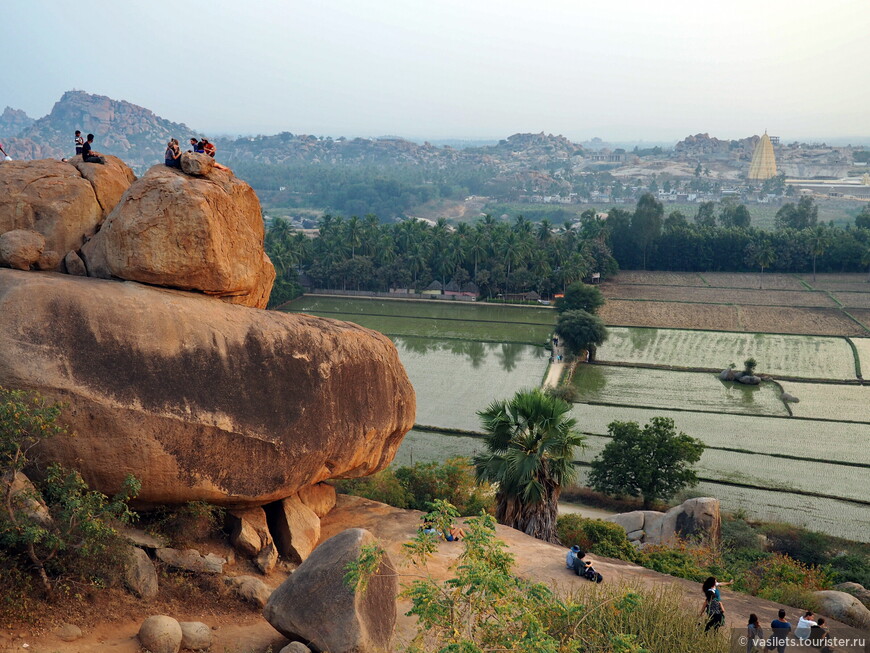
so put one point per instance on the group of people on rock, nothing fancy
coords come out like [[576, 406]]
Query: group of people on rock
[[84, 148], [172, 157], [453, 534], [809, 631]]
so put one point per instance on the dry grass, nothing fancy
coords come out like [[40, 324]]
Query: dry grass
[[807, 321], [721, 295], [854, 299], [772, 281], [671, 314], [658, 278]]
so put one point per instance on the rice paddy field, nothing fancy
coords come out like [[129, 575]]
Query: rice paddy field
[[655, 388], [810, 468], [780, 355]]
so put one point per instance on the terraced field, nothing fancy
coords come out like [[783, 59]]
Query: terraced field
[[779, 355], [862, 346], [681, 390], [703, 295]]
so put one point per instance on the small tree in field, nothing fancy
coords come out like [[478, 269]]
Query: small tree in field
[[653, 462], [581, 331], [582, 297]]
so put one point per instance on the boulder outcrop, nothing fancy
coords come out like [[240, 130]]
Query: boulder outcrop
[[64, 203], [21, 248], [203, 234], [843, 607], [315, 604], [694, 518], [198, 399]]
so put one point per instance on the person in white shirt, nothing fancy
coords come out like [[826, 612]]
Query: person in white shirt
[[804, 624]]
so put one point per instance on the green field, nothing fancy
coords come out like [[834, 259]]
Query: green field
[[669, 389], [862, 345], [454, 380], [830, 441], [826, 401], [426, 447], [531, 334], [779, 355], [421, 309]]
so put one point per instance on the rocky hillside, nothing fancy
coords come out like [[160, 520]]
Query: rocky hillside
[[122, 129], [13, 122]]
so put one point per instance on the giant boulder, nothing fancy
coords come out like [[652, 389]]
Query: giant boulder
[[315, 604], [201, 400], [204, 234], [843, 607], [55, 198]]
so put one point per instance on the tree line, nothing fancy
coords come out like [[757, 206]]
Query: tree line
[[500, 257]]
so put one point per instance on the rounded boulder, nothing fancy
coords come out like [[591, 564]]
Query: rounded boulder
[[160, 634]]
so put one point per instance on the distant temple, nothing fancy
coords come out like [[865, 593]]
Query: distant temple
[[763, 164]]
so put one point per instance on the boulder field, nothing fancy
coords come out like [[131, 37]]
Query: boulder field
[[199, 399]]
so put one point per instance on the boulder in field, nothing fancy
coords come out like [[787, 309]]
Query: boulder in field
[[749, 379], [198, 165], [790, 398], [198, 399], [21, 248], [195, 635], [843, 607], [160, 634], [320, 497], [249, 588], [694, 518], [178, 231], [296, 528], [315, 604], [140, 577], [55, 199]]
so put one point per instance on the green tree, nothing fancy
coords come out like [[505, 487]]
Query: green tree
[[581, 331], [862, 220], [706, 215], [819, 240], [530, 445], [761, 254], [646, 223], [580, 296], [653, 462], [805, 214]]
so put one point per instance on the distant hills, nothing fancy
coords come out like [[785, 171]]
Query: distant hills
[[138, 136]]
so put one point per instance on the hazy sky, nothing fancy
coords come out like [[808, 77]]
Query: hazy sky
[[619, 69]]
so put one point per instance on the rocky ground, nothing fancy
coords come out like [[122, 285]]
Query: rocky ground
[[243, 630]]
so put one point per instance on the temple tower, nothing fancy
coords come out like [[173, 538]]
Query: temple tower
[[763, 164]]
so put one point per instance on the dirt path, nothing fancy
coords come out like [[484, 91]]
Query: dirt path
[[248, 632]]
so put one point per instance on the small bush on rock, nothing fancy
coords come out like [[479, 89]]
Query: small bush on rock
[[596, 536]]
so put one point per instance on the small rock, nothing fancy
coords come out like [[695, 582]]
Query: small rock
[[21, 248], [140, 577], [26, 498], [249, 588], [790, 398], [69, 632], [295, 647], [249, 531], [296, 529], [195, 635], [50, 260], [196, 164], [267, 558], [138, 537], [74, 265], [749, 379], [192, 560], [160, 634]]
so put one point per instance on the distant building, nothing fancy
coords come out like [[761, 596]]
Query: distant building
[[763, 165], [433, 288]]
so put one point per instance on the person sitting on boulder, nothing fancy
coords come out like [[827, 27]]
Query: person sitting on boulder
[[79, 142], [428, 527], [208, 148], [172, 157], [88, 155], [572, 556], [196, 145], [455, 534]]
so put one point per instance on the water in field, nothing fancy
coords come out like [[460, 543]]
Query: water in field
[[655, 388], [817, 357]]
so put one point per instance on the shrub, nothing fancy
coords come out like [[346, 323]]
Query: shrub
[[596, 536], [690, 560], [383, 486], [194, 521], [779, 577], [566, 392], [79, 542]]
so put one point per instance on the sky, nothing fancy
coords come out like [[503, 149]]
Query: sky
[[622, 70]]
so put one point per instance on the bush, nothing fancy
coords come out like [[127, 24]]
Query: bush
[[194, 521], [566, 392], [79, 542], [419, 486], [596, 536], [781, 578]]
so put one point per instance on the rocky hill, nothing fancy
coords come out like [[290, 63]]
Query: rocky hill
[[121, 128], [13, 122]]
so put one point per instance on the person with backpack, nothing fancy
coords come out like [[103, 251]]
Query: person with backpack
[[713, 609], [584, 568]]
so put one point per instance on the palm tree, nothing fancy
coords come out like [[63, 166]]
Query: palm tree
[[819, 242], [764, 258], [530, 455], [865, 260]]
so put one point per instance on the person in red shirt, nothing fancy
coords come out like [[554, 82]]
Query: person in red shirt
[[208, 147]]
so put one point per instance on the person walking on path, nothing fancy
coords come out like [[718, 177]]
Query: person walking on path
[[754, 635], [780, 628], [79, 142], [712, 609]]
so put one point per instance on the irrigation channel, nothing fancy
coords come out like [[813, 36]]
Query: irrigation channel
[[805, 463]]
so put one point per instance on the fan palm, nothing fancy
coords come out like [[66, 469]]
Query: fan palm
[[529, 455]]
